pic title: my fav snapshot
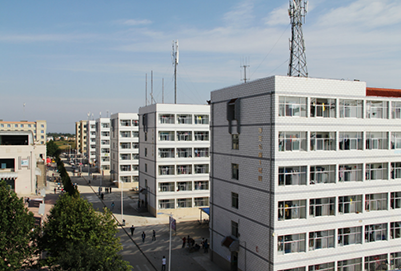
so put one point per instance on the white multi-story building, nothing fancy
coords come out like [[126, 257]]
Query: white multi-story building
[[38, 129], [91, 142], [125, 149], [174, 158], [306, 175], [103, 145]]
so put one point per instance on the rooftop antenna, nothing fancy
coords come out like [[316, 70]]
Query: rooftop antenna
[[244, 65], [175, 56], [151, 88], [297, 65], [146, 89], [107, 113]]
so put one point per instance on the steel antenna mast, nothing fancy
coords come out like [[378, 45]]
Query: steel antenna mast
[[297, 65], [175, 56]]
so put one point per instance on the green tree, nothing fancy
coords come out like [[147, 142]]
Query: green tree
[[16, 236], [52, 150], [77, 237]]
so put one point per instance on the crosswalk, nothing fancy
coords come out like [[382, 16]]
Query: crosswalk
[[92, 198], [142, 267]]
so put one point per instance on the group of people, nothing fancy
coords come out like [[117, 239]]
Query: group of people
[[190, 242], [143, 235]]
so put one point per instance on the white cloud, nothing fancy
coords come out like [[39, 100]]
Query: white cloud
[[279, 16], [365, 13], [240, 16], [133, 22]]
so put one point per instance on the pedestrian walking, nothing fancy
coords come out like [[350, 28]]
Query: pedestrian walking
[[184, 240], [132, 230], [164, 261], [205, 246], [27, 201], [55, 190], [143, 237], [102, 196], [110, 189], [154, 235], [112, 205]]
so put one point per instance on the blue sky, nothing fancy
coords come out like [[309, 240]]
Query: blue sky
[[64, 59]]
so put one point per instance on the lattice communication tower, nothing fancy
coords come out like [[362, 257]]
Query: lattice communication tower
[[297, 65]]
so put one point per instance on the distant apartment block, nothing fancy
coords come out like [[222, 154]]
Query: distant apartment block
[[124, 129], [80, 136], [306, 175], [103, 145], [22, 164], [91, 142], [174, 158], [38, 128]]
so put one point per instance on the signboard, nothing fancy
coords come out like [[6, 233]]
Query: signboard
[[24, 162], [173, 224]]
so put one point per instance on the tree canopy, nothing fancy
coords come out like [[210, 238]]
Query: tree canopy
[[52, 150], [77, 237], [16, 234]]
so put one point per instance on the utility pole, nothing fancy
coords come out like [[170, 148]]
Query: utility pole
[[244, 65], [175, 56], [297, 64]]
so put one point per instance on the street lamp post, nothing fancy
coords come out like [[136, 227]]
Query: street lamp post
[[169, 246], [122, 202]]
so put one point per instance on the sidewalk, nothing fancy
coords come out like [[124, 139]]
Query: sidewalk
[[133, 247]]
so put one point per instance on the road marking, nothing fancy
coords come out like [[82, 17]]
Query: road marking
[[147, 267], [137, 267]]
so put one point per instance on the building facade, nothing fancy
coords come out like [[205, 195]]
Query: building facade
[[174, 158], [91, 142], [38, 128], [125, 149], [103, 145], [80, 136], [305, 176], [22, 164]]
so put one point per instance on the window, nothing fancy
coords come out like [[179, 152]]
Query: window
[[184, 119], [292, 141], [135, 178], [16, 125], [166, 153], [184, 186], [166, 187], [234, 229], [350, 173], [351, 108], [184, 169], [396, 110], [291, 209], [104, 150], [395, 170], [135, 145], [135, 134], [166, 119], [321, 239], [376, 110], [350, 265], [292, 106], [350, 204], [106, 159], [235, 141], [166, 136], [184, 152], [125, 167], [350, 141], [323, 141], [166, 170], [125, 179], [29, 125], [292, 176], [201, 152], [146, 167], [375, 232], [395, 140], [395, 230], [322, 174], [125, 133], [234, 171], [125, 145], [322, 207], [292, 243], [9, 125], [125, 123], [377, 262], [201, 119], [135, 123], [135, 156], [146, 152], [184, 136], [105, 125], [395, 201], [395, 260], [201, 169], [234, 200], [166, 204], [320, 107], [201, 136], [377, 171], [105, 142], [350, 236], [376, 202], [295, 269], [201, 185], [135, 167], [146, 136], [322, 267], [184, 203], [105, 134], [199, 202]]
